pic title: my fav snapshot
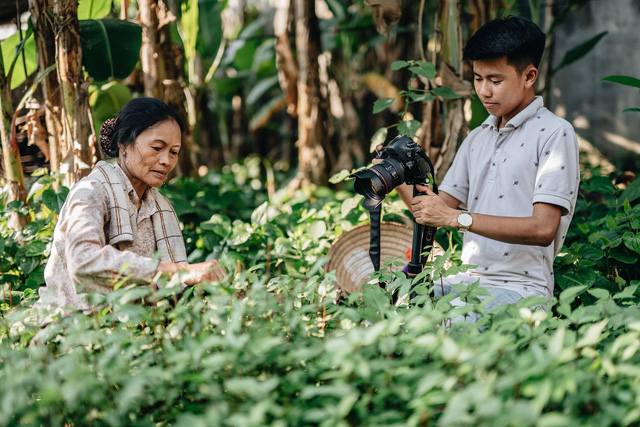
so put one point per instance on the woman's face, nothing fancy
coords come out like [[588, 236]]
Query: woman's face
[[152, 156]]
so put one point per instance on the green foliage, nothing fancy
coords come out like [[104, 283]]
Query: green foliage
[[93, 9], [105, 101], [14, 52], [110, 47], [603, 245], [578, 52], [229, 217], [627, 81], [412, 94], [275, 344], [24, 253]]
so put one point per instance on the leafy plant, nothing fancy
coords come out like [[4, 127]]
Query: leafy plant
[[281, 348], [412, 94], [627, 81], [24, 252]]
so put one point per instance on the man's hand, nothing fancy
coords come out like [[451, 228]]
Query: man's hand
[[376, 160], [432, 210]]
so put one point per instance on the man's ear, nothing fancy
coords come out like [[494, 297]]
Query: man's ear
[[531, 75]]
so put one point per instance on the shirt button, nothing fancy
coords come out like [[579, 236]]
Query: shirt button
[[497, 150]]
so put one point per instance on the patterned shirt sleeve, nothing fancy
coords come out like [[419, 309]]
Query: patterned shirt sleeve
[[90, 260], [558, 171]]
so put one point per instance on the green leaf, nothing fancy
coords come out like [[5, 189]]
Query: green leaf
[[27, 265], [593, 334], [627, 292], [106, 101], [570, 294], [632, 241], [340, 176], [260, 88], [110, 47], [631, 193], [398, 65], [599, 293], [93, 9], [420, 97], [9, 50], [35, 248], [317, 229], [339, 9], [210, 34], [376, 298], [425, 69], [382, 104], [599, 184], [55, 200], [350, 204], [621, 254], [190, 27], [445, 92], [409, 127], [378, 138], [623, 80], [579, 51]]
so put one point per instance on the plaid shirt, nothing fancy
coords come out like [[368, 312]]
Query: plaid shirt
[[82, 260]]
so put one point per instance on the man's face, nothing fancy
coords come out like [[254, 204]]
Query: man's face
[[503, 91]]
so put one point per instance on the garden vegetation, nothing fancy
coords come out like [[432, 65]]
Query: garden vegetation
[[277, 344]]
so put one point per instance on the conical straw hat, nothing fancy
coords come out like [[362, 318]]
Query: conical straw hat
[[349, 255]]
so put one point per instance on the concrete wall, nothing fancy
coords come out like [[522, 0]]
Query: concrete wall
[[578, 92]]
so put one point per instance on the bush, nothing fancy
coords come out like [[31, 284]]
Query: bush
[[274, 345]]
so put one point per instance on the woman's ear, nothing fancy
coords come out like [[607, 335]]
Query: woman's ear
[[531, 75]]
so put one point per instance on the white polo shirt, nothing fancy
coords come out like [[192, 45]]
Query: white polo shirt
[[503, 172]]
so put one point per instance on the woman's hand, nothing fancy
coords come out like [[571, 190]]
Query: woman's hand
[[432, 209], [207, 271]]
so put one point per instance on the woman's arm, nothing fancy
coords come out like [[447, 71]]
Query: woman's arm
[[92, 261]]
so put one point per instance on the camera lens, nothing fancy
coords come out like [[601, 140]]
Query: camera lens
[[378, 181]]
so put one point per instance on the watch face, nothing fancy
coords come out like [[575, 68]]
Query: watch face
[[464, 219]]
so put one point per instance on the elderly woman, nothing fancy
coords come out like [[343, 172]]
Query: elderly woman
[[114, 221]]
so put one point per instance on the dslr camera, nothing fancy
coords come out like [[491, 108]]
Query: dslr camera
[[404, 161]]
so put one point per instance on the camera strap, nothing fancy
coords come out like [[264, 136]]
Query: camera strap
[[374, 241]]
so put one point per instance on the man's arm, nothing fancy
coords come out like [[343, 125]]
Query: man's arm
[[538, 229]]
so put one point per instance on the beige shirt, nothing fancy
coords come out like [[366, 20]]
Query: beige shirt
[[81, 261], [504, 172]]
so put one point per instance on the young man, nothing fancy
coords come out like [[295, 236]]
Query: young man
[[516, 175]]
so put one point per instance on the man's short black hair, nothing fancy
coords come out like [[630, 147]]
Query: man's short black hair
[[518, 39]]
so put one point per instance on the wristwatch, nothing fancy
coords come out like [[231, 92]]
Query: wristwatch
[[464, 221]]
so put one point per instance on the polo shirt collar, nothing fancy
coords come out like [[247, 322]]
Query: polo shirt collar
[[528, 112]]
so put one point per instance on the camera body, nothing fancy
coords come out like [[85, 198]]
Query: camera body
[[404, 161]]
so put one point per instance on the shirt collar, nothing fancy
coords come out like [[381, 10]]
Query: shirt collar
[[524, 115]]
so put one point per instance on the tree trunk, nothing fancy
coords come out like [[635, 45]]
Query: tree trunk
[[311, 109], [43, 32], [163, 70], [10, 152], [76, 152], [149, 23]]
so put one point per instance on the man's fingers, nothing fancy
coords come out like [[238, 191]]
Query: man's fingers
[[425, 189]]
